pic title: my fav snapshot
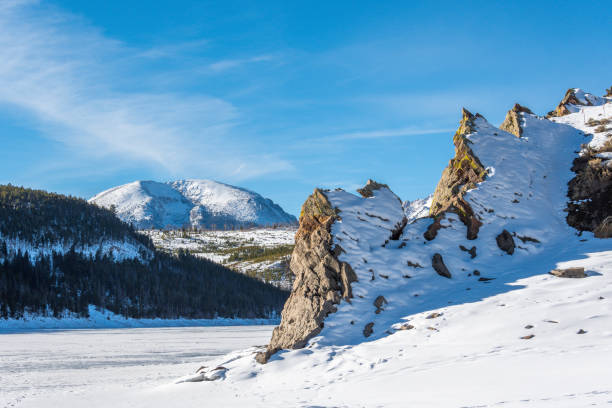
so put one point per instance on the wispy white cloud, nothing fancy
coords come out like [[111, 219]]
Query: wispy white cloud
[[228, 64], [73, 82], [383, 133]]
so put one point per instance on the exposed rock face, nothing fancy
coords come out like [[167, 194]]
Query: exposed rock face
[[461, 175], [512, 123], [569, 273], [321, 281], [505, 242], [438, 264], [608, 92], [590, 192]]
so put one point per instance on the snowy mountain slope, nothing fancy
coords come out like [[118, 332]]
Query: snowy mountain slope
[[524, 194], [443, 320], [200, 203], [417, 208]]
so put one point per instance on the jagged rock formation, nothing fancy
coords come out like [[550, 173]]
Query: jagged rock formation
[[321, 281], [518, 194], [512, 123], [464, 171], [573, 98]]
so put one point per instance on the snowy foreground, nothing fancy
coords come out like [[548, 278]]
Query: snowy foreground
[[471, 356], [64, 368]]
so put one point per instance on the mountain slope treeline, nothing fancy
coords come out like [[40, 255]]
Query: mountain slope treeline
[[150, 284]]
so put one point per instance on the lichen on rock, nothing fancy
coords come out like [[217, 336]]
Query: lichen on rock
[[321, 280], [463, 172], [512, 123]]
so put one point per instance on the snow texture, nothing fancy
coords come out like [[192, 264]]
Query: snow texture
[[418, 208], [201, 203]]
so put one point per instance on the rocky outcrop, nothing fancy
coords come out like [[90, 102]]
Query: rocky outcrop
[[367, 191], [321, 280], [568, 100], [505, 242], [464, 171], [590, 194], [569, 273], [608, 93], [512, 123], [438, 264]]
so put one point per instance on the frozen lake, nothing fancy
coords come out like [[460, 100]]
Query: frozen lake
[[41, 364]]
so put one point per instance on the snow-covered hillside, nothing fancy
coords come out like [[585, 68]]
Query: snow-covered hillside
[[199, 203], [459, 310], [261, 252]]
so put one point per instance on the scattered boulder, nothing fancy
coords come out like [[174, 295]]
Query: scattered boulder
[[433, 228], [471, 251], [434, 315], [527, 337], [569, 273], [476, 272], [483, 279], [463, 172], [512, 123], [406, 326], [529, 326], [505, 242], [438, 264], [368, 329], [414, 264], [379, 302], [581, 331]]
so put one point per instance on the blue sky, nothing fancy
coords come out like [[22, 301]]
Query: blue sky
[[274, 96]]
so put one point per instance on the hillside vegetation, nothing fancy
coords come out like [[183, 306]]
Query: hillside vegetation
[[59, 254]]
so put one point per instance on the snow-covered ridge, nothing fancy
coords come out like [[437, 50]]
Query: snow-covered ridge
[[200, 203]]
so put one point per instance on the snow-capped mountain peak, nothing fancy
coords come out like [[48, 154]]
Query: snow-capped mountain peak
[[203, 203]]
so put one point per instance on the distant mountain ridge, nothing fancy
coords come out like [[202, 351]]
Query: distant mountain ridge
[[196, 203]]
